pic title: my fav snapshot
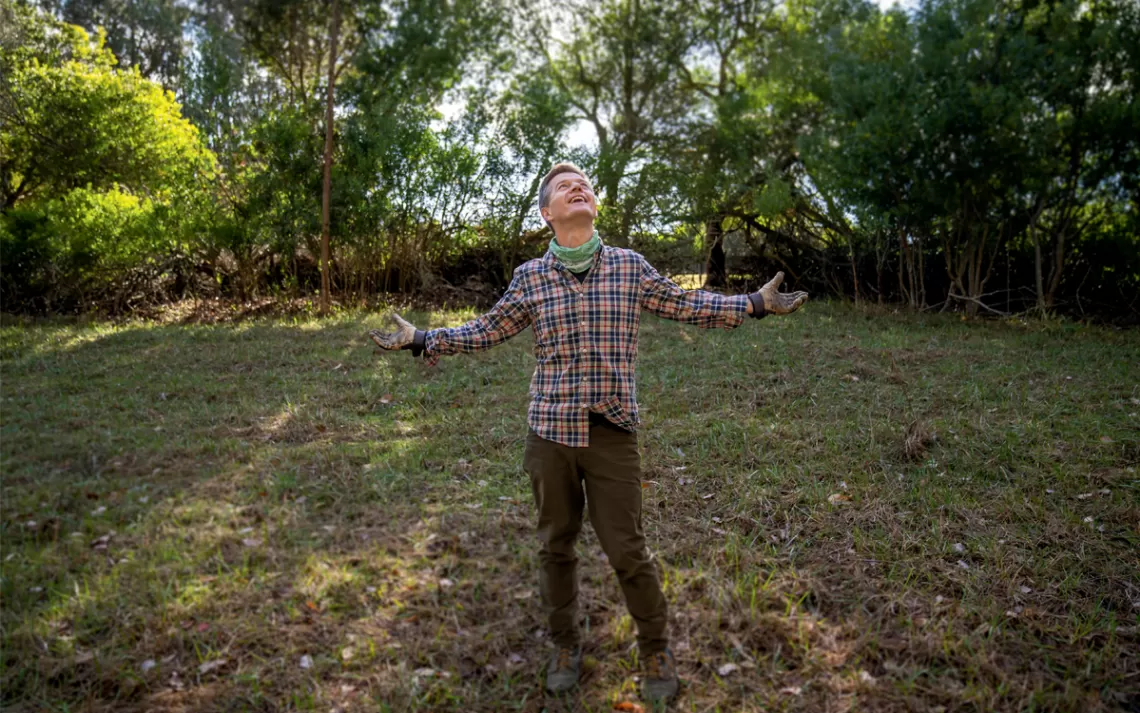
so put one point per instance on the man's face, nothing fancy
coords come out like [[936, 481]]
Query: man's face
[[571, 200]]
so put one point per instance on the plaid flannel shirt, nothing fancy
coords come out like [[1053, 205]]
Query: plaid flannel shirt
[[585, 335]]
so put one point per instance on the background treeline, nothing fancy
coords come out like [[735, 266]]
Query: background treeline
[[980, 155]]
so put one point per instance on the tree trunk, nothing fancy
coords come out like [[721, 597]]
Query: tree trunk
[[326, 192], [716, 272], [1038, 277], [1057, 270]]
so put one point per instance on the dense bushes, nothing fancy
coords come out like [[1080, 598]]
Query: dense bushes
[[975, 155]]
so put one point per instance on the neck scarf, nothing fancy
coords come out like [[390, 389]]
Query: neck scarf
[[579, 258]]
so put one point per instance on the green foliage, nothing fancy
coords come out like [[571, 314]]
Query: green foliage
[[968, 153], [72, 119], [100, 171]]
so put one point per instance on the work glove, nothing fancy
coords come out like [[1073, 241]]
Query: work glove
[[406, 336], [769, 300]]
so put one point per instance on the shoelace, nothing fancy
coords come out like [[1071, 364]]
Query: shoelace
[[564, 656], [657, 662]]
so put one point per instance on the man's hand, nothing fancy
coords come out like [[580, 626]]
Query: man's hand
[[769, 300], [402, 338]]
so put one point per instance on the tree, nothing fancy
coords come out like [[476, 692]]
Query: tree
[[145, 34], [72, 120], [617, 72]]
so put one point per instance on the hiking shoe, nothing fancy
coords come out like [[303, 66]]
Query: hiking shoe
[[562, 673], [660, 683]]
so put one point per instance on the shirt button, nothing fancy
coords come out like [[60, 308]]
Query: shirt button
[[585, 406], [584, 379], [583, 324], [584, 350]]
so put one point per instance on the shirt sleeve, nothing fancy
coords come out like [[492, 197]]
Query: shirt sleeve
[[665, 298], [507, 318]]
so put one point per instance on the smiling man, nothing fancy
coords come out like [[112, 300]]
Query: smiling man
[[584, 301]]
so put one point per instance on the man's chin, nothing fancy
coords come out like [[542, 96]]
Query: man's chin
[[578, 215]]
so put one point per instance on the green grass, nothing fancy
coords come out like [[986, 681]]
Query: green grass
[[862, 510]]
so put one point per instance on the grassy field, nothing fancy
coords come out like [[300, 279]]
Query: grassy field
[[853, 510]]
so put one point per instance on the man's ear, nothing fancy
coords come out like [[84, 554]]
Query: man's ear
[[545, 212]]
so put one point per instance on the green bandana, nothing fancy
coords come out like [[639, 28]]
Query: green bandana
[[579, 258]]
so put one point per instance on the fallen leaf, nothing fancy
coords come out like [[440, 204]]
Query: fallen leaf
[[865, 677], [963, 564], [348, 653], [251, 542], [147, 665], [838, 498], [211, 665], [629, 707], [707, 496], [514, 659], [792, 690], [203, 627], [1106, 439], [1025, 590], [99, 510], [959, 547], [386, 399], [446, 583], [312, 605], [727, 669], [306, 662]]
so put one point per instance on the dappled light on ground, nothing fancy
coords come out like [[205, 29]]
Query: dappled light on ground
[[851, 511]]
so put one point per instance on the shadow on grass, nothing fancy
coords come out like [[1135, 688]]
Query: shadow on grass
[[269, 516]]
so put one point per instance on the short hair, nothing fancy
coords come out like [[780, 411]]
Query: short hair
[[544, 187]]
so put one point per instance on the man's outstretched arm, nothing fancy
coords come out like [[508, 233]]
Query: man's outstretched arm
[[507, 318], [665, 298]]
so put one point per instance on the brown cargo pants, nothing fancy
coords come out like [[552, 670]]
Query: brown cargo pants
[[605, 478]]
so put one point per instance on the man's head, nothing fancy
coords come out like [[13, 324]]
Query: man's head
[[566, 198]]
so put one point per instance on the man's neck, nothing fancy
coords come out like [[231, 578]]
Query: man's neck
[[573, 236]]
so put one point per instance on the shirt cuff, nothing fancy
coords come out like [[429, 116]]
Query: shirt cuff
[[418, 343], [757, 300]]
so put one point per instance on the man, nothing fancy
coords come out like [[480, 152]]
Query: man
[[584, 301]]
